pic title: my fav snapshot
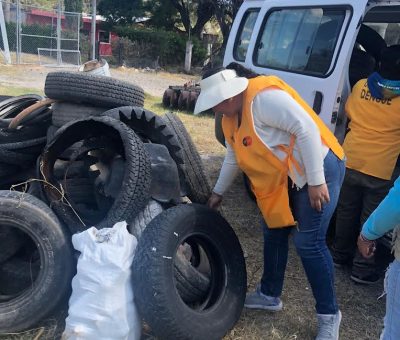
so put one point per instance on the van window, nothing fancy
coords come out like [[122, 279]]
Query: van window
[[244, 34], [390, 32], [299, 39]]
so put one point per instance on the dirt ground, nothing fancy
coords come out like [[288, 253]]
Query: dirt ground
[[153, 83], [362, 311]]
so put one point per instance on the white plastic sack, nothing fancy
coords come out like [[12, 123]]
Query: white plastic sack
[[101, 305]]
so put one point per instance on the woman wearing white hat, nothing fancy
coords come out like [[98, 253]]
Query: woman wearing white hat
[[276, 138]]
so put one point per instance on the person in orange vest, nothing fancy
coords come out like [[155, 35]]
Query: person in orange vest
[[372, 148], [289, 155]]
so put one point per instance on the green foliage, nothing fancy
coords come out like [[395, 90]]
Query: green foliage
[[120, 12], [162, 15], [73, 5], [167, 47]]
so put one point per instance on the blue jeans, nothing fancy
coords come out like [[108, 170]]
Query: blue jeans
[[391, 330], [309, 239]]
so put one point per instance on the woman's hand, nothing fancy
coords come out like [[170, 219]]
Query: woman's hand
[[366, 247], [319, 195], [214, 201]]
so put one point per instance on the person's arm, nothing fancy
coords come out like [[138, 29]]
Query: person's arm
[[228, 172], [386, 217], [277, 109]]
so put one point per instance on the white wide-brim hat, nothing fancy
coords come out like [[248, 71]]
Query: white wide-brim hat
[[219, 87]]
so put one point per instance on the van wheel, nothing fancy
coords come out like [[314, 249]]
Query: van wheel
[[155, 284]]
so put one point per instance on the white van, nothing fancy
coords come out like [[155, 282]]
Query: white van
[[321, 48]]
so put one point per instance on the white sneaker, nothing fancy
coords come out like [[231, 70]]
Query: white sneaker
[[328, 326]]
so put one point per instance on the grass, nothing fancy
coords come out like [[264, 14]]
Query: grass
[[18, 91], [200, 127], [362, 312]]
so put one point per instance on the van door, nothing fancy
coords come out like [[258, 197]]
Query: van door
[[308, 46]]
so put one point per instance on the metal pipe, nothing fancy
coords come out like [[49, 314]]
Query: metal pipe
[[4, 36], [93, 30], [59, 59]]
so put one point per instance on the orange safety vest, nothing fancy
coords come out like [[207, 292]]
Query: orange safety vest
[[267, 173]]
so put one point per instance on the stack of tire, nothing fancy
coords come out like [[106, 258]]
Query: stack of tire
[[181, 97], [80, 96], [97, 169], [22, 138]]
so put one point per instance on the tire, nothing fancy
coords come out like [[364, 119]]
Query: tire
[[371, 41], [16, 146], [76, 169], [3, 98], [31, 113], [193, 95], [183, 100], [9, 108], [152, 209], [10, 243], [173, 104], [7, 169], [191, 284], [16, 275], [32, 217], [66, 155], [95, 90], [135, 189], [156, 295], [64, 112], [79, 190], [24, 133], [51, 131], [16, 158], [152, 127], [195, 176], [166, 99]]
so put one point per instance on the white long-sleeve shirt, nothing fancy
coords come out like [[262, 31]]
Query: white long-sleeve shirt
[[276, 117]]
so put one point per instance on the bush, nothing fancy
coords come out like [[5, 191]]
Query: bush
[[167, 48]]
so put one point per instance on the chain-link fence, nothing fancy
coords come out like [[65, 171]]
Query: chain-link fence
[[39, 35]]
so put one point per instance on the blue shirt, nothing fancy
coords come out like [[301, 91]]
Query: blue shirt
[[386, 217]]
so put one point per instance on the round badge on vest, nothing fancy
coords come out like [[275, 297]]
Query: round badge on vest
[[247, 141]]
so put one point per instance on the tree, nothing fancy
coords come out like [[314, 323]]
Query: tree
[[75, 6], [161, 14], [179, 15], [225, 12], [121, 12]]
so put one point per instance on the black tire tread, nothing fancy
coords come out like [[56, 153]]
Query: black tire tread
[[134, 193], [153, 299], [65, 112], [22, 313], [195, 174], [96, 90]]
